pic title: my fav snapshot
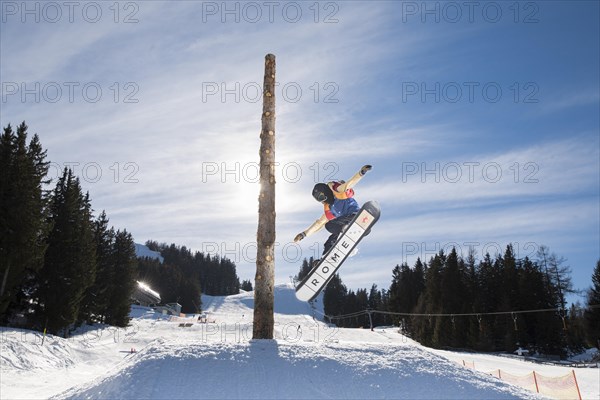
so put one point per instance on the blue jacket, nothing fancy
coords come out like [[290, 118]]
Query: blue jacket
[[340, 208], [343, 203]]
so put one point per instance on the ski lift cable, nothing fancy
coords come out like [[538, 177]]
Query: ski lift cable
[[429, 315], [478, 314], [356, 314], [556, 309]]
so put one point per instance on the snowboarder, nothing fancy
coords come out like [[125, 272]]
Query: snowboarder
[[339, 205]]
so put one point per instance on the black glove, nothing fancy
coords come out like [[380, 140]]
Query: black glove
[[364, 169], [299, 237]]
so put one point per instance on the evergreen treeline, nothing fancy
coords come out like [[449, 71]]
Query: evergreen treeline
[[246, 285], [23, 225], [592, 314], [59, 267], [185, 274], [492, 291]]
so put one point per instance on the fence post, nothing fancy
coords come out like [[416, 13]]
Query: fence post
[[537, 389], [576, 384]]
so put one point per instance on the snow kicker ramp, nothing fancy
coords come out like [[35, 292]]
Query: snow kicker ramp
[[265, 369], [307, 359]]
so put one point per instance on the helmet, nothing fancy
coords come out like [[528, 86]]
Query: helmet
[[322, 193]]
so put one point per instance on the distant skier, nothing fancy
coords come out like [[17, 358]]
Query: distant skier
[[339, 207]]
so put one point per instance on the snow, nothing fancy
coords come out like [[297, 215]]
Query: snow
[[588, 378], [307, 359], [586, 356], [143, 251]]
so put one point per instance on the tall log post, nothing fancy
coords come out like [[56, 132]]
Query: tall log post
[[265, 260]]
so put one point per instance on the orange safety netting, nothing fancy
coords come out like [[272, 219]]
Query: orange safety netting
[[561, 387]]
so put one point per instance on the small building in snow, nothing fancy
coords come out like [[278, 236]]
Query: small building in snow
[[144, 295], [169, 309]]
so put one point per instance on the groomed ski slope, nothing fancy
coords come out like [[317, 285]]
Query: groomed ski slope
[[219, 359]]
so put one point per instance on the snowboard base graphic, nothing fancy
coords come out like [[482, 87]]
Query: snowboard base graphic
[[321, 274]]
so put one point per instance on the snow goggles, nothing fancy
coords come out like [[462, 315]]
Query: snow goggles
[[321, 197]]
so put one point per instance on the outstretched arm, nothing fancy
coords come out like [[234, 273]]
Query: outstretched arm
[[320, 223], [315, 227], [354, 180]]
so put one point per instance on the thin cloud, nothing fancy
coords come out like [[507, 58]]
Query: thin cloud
[[192, 150]]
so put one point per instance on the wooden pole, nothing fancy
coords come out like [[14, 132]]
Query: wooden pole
[[576, 384], [265, 260], [537, 388]]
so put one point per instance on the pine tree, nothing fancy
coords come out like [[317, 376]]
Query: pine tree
[[304, 269], [361, 304], [592, 312], [376, 300], [70, 259], [418, 282], [246, 285], [154, 245], [450, 330], [351, 305], [425, 329], [383, 318], [230, 282], [505, 327], [395, 290], [405, 290], [530, 287], [576, 334], [22, 213], [124, 272], [473, 305], [541, 332], [97, 297], [488, 285], [399, 289], [334, 296], [215, 276], [558, 275]]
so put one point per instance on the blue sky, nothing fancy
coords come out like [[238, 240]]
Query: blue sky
[[481, 120]]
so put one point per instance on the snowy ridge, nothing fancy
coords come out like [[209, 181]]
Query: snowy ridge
[[27, 353], [286, 303], [143, 251], [307, 359]]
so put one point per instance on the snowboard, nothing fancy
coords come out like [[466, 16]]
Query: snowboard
[[321, 274]]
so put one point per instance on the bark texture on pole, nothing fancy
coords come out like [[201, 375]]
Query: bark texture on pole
[[265, 259]]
